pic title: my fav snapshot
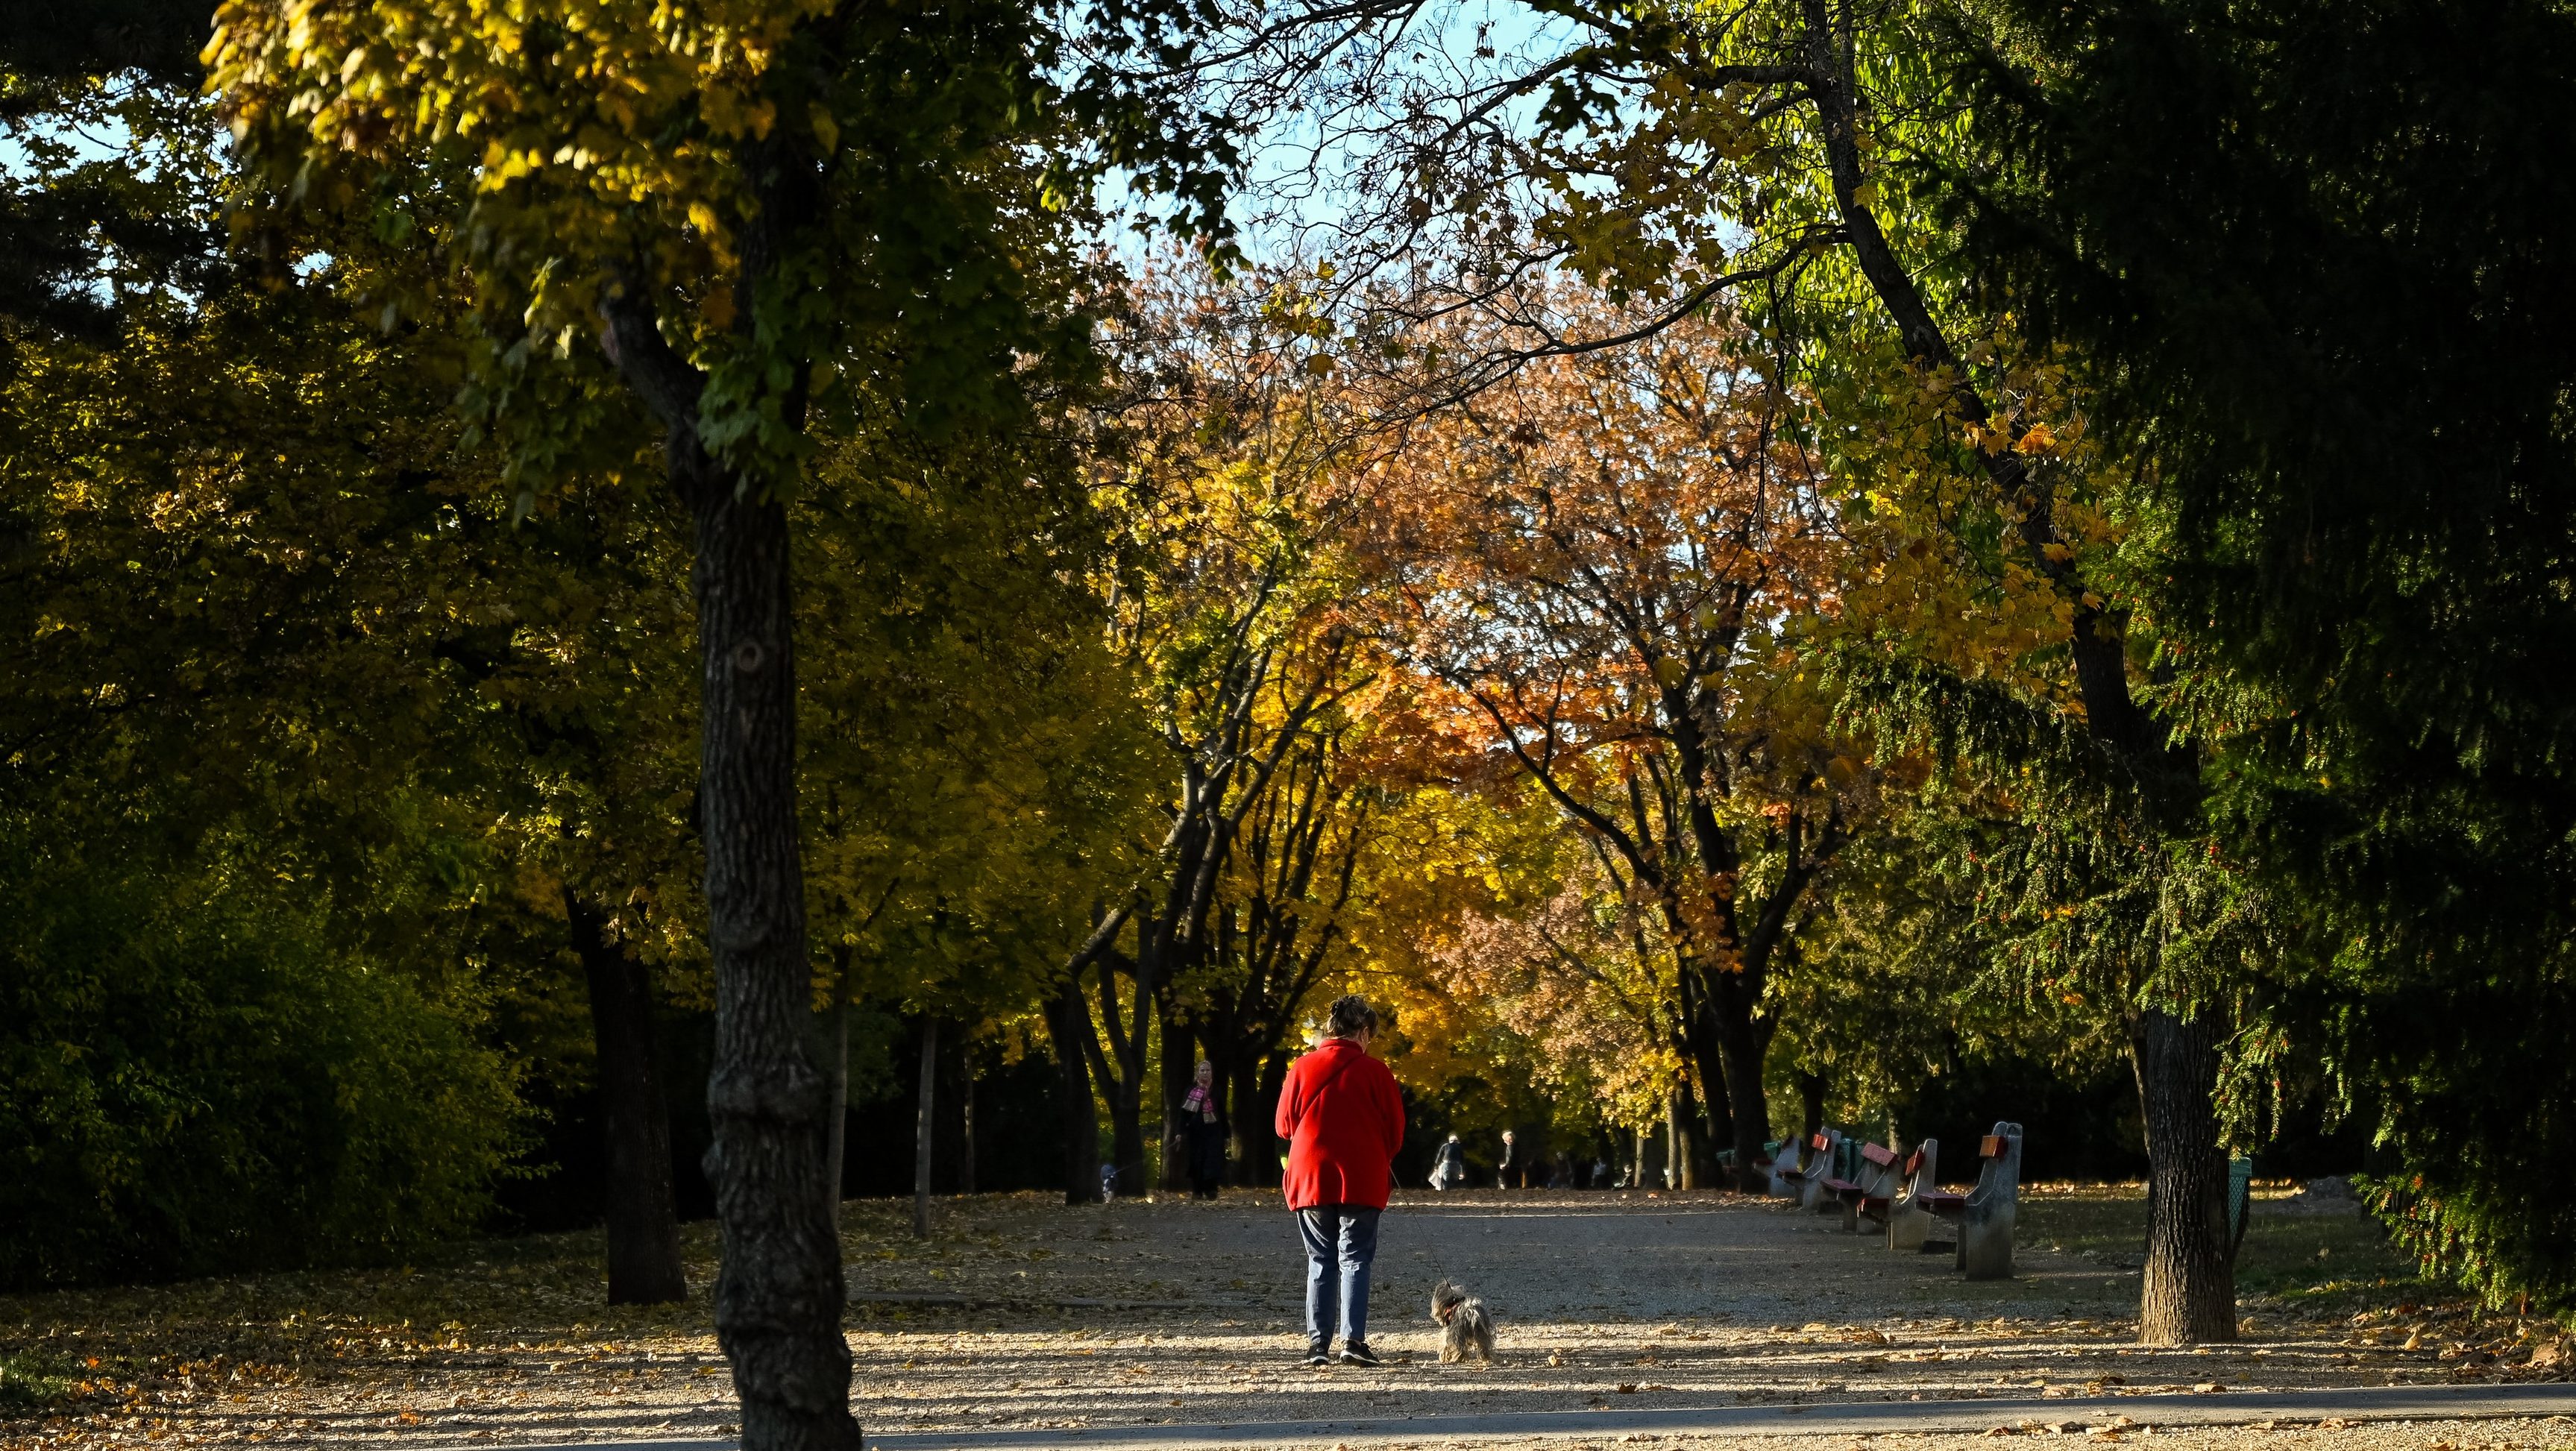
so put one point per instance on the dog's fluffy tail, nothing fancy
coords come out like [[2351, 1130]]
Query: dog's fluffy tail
[[1480, 1328]]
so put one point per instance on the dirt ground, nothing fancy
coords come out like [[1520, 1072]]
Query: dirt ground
[[1022, 1313]]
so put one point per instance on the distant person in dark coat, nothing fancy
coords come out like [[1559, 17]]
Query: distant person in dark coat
[[1343, 1119], [1449, 1166], [1203, 1134], [1509, 1173]]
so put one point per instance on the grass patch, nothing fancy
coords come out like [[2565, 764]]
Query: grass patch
[[32, 1383], [2317, 1265]]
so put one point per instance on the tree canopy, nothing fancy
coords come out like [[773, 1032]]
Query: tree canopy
[[584, 580]]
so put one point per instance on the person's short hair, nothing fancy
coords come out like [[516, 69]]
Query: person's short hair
[[1349, 1014]]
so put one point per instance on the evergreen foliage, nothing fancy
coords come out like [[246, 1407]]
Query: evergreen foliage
[[2319, 254]]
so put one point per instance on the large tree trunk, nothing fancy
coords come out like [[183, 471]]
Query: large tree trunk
[[1125, 1090], [1811, 1105], [779, 1296], [925, 1131], [1069, 1029], [643, 1227], [2189, 1293], [1746, 1040], [1720, 1122]]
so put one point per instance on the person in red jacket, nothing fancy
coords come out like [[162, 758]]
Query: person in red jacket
[[1343, 1120]]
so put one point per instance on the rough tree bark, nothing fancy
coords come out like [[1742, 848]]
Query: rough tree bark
[[1745, 1040], [643, 1226], [925, 1127], [779, 1293], [2189, 1291]]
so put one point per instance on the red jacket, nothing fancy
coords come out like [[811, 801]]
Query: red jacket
[[1343, 1120]]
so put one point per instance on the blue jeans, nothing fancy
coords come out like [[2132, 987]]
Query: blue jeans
[[1342, 1236]]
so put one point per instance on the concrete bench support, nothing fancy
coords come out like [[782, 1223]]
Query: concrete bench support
[[1986, 1220], [1910, 1220]]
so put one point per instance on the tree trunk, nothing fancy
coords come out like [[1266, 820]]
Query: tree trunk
[[1178, 1068], [1067, 1016], [966, 1132], [643, 1227], [1259, 1124], [2189, 1293], [1126, 1094], [949, 1172], [1720, 1131], [779, 1295], [1745, 1040], [1811, 1105], [925, 1126], [779, 1292], [1677, 1166]]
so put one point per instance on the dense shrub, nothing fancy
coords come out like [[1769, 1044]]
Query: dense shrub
[[195, 1077]]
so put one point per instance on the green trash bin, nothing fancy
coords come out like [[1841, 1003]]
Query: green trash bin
[[2240, 1201]]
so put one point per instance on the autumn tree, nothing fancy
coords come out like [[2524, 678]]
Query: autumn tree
[[1223, 606], [1766, 155], [753, 215], [1584, 979], [1598, 558]]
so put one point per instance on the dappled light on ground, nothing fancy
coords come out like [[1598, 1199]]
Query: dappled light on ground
[[1024, 1314]]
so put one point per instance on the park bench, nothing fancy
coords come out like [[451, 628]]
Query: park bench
[[1820, 1172], [1797, 1171], [1923, 1203], [1871, 1187], [1986, 1220]]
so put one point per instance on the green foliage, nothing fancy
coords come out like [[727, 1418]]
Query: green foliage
[[2318, 251], [199, 1071]]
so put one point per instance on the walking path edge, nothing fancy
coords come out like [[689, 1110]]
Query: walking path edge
[[1839, 1418]]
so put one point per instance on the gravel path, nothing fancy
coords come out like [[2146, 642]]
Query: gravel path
[[1075, 1326]]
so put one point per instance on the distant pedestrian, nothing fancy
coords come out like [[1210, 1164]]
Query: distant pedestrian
[[1507, 1174], [1343, 1119], [1203, 1134], [1449, 1166]]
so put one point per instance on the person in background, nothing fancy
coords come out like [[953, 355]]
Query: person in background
[[1508, 1174], [1343, 1119], [1203, 1134], [1449, 1166]]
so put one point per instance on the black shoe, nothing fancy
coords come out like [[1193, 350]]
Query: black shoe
[[1320, 1353], [1358, 1353]]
